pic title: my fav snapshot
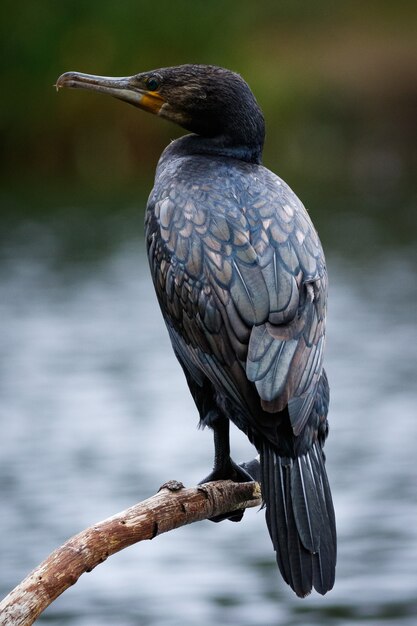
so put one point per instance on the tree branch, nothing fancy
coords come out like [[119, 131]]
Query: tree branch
[[173, 506]]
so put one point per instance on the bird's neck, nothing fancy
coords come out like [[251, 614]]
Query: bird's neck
[[220, 146]]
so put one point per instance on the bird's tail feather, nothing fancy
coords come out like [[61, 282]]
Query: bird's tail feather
[[300, 518]]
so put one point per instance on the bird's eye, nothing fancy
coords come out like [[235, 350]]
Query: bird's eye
[[152, 83]]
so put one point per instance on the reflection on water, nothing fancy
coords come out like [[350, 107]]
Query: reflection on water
[[95, 415]]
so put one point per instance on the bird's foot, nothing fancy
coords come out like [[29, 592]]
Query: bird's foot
[[229, 471]]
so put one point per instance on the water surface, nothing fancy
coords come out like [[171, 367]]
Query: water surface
[[95, 416]]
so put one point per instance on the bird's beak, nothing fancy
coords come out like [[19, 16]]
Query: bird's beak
[[124, 88]]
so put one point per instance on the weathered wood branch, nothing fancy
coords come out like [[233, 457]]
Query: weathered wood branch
[[173, 506]]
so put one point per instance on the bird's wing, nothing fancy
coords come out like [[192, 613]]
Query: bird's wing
[[191, 260], [241, 280], [285, 352]]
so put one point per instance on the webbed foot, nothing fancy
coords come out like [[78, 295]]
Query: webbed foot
[[236, 473]]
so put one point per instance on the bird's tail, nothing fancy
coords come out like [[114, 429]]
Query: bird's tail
[[300, 518]]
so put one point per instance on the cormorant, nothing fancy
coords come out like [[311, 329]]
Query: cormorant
[[241, 280]]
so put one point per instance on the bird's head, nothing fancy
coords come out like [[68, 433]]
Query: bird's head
[[210, 101]]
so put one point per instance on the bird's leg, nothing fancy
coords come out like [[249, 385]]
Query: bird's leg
[[224, 467]]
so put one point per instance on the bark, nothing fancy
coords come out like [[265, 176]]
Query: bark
[[173, 506]]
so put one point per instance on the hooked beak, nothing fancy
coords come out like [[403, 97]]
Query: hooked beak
[[124, 88]]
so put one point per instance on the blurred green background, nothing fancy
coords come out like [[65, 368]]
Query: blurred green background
[[336, 81]]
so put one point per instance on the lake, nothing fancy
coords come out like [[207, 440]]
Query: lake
[[95, 415]]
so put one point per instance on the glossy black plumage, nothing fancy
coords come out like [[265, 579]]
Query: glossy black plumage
[[241, 280]]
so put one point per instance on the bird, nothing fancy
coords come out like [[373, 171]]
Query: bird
[[241, 280]]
